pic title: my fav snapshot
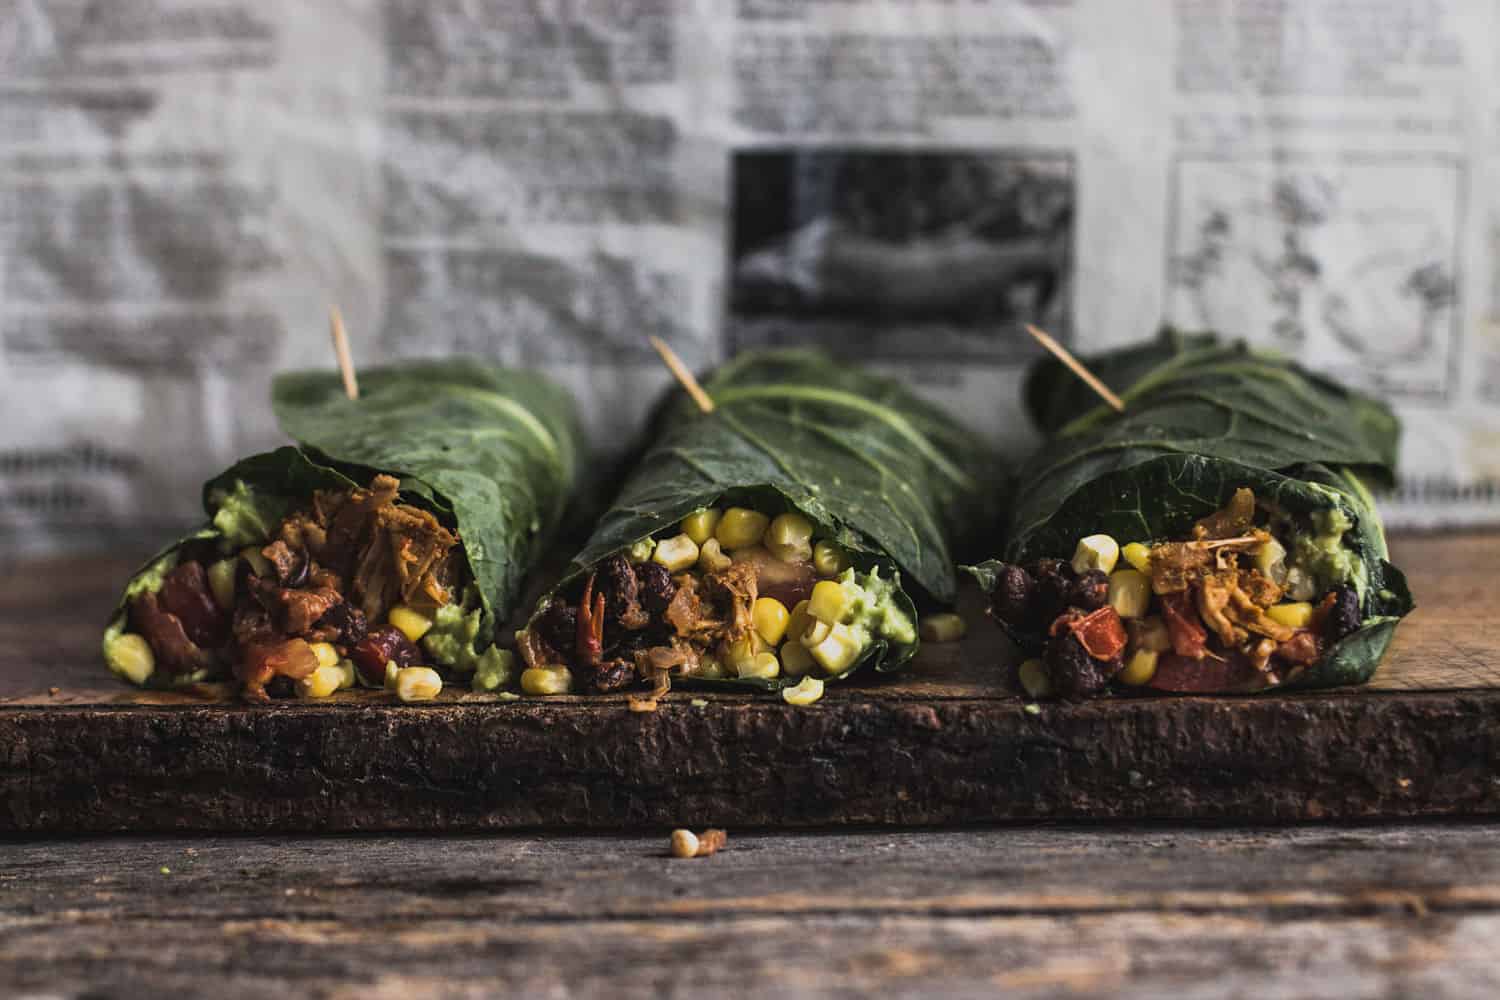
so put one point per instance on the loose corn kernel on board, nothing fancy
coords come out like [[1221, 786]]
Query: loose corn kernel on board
[[945, 743]]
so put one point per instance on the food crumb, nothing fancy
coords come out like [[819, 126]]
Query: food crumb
[[636, 704], [508, 696], [1032, 708], [699, 703], [686, 844], [53, 691], [165, 870], [1404, 782]]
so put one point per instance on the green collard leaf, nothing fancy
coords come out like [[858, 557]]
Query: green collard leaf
[[891, 478], [492, 452], [1202, 419]]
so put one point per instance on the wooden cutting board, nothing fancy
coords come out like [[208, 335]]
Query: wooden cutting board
[[946, 743]]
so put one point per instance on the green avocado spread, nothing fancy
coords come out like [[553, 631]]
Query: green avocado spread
[[451, 640], [874, 607], [246, 516], [1323, 554]]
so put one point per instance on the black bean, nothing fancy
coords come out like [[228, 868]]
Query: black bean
[[349, 620], [1054, 589], [1073, 673], [1014, 597], [558, 626], [1344, 617], [657, 589], [612, 675], [1089, 591]]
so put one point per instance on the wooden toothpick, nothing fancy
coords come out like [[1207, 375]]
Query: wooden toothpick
[[341, 348], [674, 364], [1076, 367]]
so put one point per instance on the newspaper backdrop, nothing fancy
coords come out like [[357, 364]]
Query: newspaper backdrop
[[187, 185]]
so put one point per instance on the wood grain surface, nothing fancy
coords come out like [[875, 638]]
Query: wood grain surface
[[946, 743], [1134, 912]]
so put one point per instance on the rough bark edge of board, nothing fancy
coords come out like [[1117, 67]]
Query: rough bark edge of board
[[746, 764]]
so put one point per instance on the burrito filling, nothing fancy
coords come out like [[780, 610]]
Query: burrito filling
[[1251, 600], [726, 593], [303, 597]]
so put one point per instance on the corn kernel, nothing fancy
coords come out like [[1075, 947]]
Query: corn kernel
[[547, 680], [806, 691], [1140, 668], [1295, 614], [838, 651], [789, 538], [762, 665], [684, 844], [1129, 593], [945, 627], [221, 582], [700, 525], [1096, 552], [321, 683], [347, 676], [740, 654], [741, 528], [770, 617], [1149, 633], [259, 563], [1138, 555], [795, 659], [1034, 680], [796, 625], [412, 623], [815, 632], [711, 557], [392, 671], [130, 656], [418, 684], [829, 560], [326, 654], [641, 551], [1270, 559], [829, 602], [676, 553]]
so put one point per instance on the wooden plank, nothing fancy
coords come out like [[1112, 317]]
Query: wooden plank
[[1133, 912], [947, 743]]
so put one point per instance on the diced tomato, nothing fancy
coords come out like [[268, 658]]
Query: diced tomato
[[1101, 632], [1186, 631]]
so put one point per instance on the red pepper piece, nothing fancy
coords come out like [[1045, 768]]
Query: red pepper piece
[[1188, 637], [1102, 633], [590, 637]]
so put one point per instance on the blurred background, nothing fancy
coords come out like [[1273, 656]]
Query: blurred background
[[186, 186]]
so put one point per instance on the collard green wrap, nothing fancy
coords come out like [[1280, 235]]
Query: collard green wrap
[[892, 479], [492, 452], [1203, 418]]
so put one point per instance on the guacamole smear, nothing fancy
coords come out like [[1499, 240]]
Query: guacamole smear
[[875, 606], [247, 516]]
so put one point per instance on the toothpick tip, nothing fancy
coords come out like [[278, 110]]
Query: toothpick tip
[[680, 372], [1077, 368], [341, 351]]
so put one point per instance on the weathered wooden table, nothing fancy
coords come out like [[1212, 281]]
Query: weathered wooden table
[[1346, 912], [1033, 910]]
